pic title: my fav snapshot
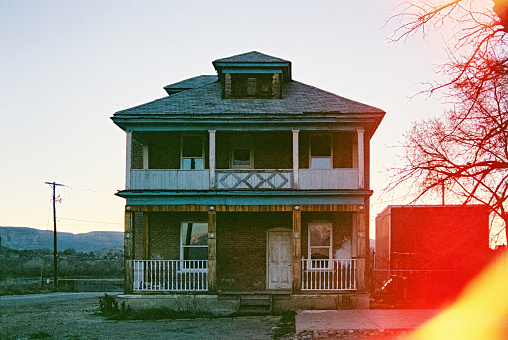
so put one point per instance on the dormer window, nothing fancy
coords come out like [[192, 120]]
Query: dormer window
[[251, 85]]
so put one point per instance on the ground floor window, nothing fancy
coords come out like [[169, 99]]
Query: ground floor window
[[194, 241], [320, 244]]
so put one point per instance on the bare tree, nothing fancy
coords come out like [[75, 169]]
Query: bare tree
[[465, 150]]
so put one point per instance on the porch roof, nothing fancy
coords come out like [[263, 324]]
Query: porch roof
[[245, 197]]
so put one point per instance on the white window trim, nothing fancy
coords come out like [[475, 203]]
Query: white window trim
[[330, 250], [182, 267], [331, 149], [202, 150]]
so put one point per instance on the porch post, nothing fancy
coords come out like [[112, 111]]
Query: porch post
[[146, 236], [360, 249], [145, 157], [211, 158], [297, 249], [128, 245], [295, 158], [361, 159], [128, 160], [212, 249]]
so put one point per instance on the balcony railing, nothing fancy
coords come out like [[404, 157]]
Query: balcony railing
[[170, 179], [254, 179], [329, 274], [170, 275], [251, 179]]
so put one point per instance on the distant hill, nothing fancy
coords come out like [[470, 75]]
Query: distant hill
[[21, 238]]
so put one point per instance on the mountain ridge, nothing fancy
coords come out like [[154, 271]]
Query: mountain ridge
[[25, 238]]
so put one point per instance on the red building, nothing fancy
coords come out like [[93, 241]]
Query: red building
[[429, 253]]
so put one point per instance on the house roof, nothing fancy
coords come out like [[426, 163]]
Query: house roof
[[190, 83], [297, 98], [251, 57], [201, 97], [253, 62]]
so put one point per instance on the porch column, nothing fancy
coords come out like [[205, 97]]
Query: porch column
[[297, 249], [212, 249], [295, 158], [128, 160], [128, 244], [145, 157], [361, 159], [360, 251], [211, 158], [146, 236]]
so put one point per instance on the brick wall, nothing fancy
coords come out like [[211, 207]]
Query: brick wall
[[138, 235], [164, 233], [272, 150], [241, 249], [342, 227], [136, 155], [343, 149]]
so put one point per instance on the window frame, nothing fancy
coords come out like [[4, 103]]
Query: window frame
[[312, 264], [185, 266], [331, 150], [202, 158], [239, 85], [251, 158]]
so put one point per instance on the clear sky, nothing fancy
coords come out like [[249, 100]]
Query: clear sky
[[67, 66]]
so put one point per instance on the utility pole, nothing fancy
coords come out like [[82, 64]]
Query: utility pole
[[53, 185]]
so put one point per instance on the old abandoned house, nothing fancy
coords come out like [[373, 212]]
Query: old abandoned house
[[248, 188]]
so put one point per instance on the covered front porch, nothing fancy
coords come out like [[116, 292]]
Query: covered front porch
[[281, 251], [192, 275]]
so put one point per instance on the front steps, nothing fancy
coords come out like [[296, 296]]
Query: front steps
[[254, 303]]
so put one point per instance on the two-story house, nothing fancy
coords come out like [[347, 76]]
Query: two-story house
[[248, 184]]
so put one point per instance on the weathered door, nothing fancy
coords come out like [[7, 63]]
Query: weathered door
[[279, 258]]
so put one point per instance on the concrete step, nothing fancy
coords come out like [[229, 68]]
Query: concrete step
[[256, 304]]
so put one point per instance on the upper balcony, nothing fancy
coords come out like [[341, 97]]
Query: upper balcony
[[225, 160]]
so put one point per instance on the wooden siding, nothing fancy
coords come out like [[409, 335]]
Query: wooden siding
[[244, 208], [328, 179], [169, 179]]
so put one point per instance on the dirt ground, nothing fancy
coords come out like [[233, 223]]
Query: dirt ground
[[77, 319]]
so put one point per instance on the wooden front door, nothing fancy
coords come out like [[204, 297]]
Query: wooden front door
[[279, 257]]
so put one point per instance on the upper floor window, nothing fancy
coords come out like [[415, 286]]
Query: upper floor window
[[251, 85], [242, 159], [192, 152], [321, 152]]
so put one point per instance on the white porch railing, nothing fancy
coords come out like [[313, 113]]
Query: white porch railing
[[312, 179], [170, 179], [328, 274], [254, 179], [170, 275]]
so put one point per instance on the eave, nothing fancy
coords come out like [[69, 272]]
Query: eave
[[247, 197], [252, 122]]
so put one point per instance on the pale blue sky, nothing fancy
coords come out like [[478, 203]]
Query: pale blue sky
[[67, 66]]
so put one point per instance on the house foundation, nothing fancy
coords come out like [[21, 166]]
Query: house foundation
[[231, 303]]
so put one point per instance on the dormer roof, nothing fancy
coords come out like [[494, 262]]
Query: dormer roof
[[253, 62]]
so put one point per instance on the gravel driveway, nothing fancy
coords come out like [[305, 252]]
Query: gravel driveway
[[74, 318]]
